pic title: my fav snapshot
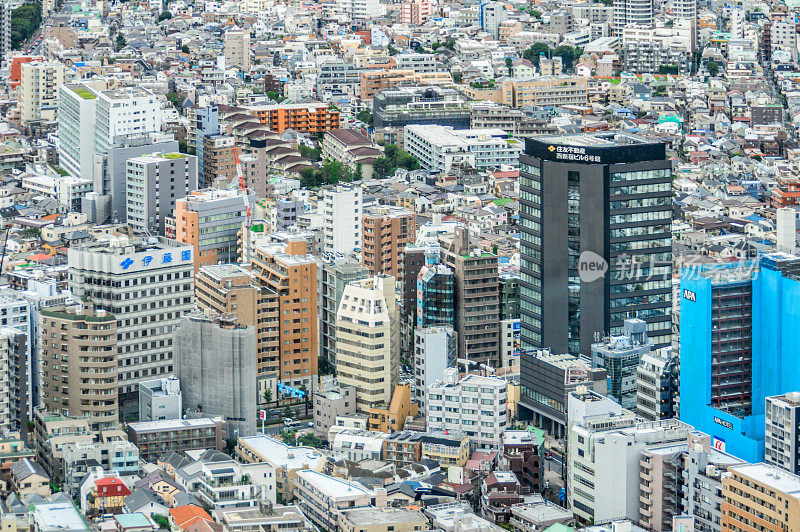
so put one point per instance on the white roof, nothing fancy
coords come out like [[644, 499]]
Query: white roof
[[281, 455], [332, 486]]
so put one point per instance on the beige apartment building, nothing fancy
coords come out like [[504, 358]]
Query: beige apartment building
[[38, 90], [79, 365], [288, 271], [367, 340], [237, 49], [232, 289], [758, 497], [542, 90], [385, 232]]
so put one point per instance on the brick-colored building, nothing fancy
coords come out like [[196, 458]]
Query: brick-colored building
[[154, 438], [231, 289], [760, 497], [287, 270], [385, 231], [311, 117], [219, 159], [79, 364]]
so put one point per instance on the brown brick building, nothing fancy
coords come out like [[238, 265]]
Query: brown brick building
[[385, 231], [287, 270], [79, 365]]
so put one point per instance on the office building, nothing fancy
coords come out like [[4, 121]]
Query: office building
[[219, 160], [606, 454], [534, 91], [160, 399], [155, 438], [737, 347], [312, 117], [76, 118], [237, 49], [782, 432], [477, 303], [342, 211], [632, 12], [620, 356], [337, 77], [154, 183], [576, 193], [392, 416], [436, 296], [385, 231], [441, 148], [760, 496], [38, 90], [358, 445], [490, 115], [79, 364], [289, 272], [110, 173], [475, 405], [402, 106], [210, 220], [215, 359], [203, 123], [367, 340], [233, 290], [333, 276], [553, 377], [657, 384], [149, 281]]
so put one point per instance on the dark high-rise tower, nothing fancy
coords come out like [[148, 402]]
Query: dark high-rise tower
[[596, 244]]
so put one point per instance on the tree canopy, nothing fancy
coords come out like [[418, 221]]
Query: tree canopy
[[25, 20]]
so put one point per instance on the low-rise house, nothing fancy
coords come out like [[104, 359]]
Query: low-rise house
[[28, 478]]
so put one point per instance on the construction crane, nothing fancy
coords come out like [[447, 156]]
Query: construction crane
[[242, 184]]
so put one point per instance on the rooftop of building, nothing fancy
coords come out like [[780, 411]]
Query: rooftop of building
[[541, 511], [121, 244], [173, 424], [59, 516], [791, 398], [333, 486], [282, 455], [240, 516], [595, 140], [382, 516], [774, 477]]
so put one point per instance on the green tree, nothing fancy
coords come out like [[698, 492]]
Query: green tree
[[536, 14], [287, 412], [365, 116], [275, 97], [713, 68], [358, 174], [121, 42], [533, 53], [165, 15], [175, 99], [161, 521], [185, 49], [268, 396], [312, 154], [509, 63], [25, 20], [450, 44], [668, 69], [568, 55]]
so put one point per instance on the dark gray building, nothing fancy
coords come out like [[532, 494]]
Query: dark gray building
[[551, 378], [509, 296], [766, 114], [596, 244], [286, 212]]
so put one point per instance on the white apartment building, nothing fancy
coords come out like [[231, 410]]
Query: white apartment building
[[439, 148], [358, 445], [419, 63], [367, 340], [645, 48], [632, 12], [149, 284], [124, 111], [38, 90], [782, 431], [67, 190], [604, 451], [342, 210], [434, 351], [475, 405], [322, 497], [362, 9], [656, 384], [153, 184], [783, 36], [229, 484]]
